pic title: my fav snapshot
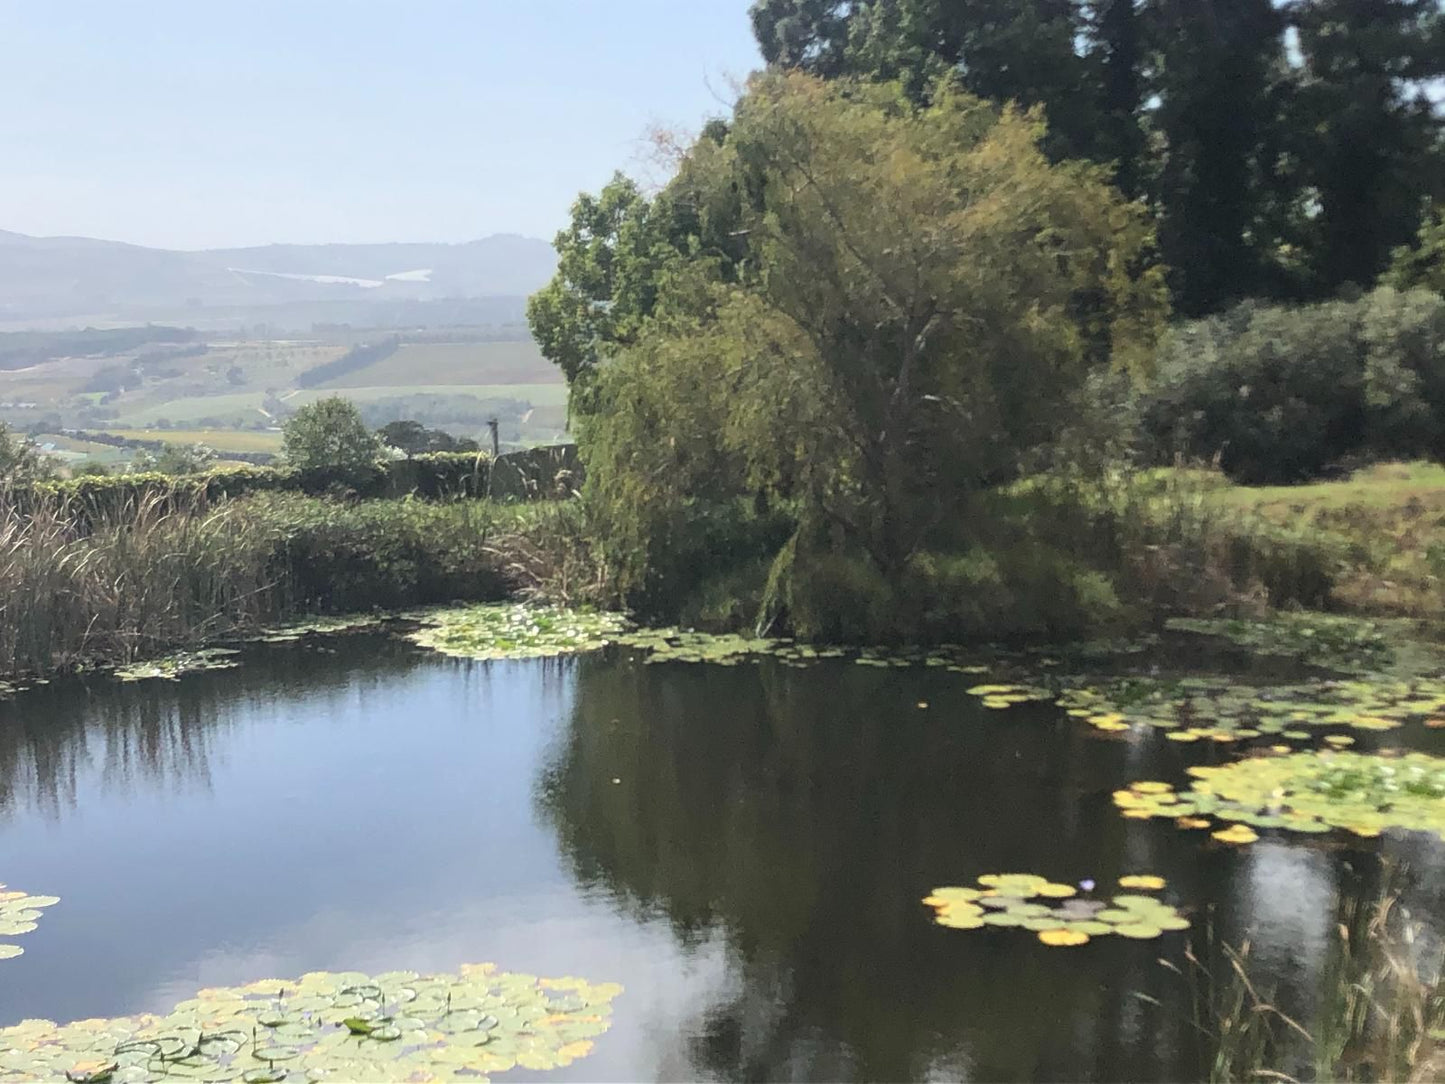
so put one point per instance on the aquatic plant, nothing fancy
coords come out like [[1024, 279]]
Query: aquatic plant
[[19, 912], [1302, 792], [398, 1026], [172, 667], [1379, 1012], [1334, 641], [678, 645], [514, 631], [292, 631], [1014, 900], [1218, 709]]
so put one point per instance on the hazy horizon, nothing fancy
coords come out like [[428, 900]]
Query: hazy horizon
[[181, 126]]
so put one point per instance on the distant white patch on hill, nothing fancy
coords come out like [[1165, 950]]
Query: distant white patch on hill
[[329, 280], [422, 275]]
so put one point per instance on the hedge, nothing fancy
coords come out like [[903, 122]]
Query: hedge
[[539, 473]]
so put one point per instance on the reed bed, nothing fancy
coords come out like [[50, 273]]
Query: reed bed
[[158, 573]]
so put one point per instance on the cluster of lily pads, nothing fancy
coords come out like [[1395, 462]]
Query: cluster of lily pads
[[1057, 913], [317, 626], [399, 1026], [1301, 792], [173, 667], [19, 912], [514, 631], [1200, 708], [1333, 641]]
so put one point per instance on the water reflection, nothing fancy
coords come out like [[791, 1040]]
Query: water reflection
[[744, 848], [803, 813], [158, 735]]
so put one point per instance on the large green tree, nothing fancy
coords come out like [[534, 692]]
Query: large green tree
[[1375, 151], [1219, 62], [1285, 147], [921, 291]]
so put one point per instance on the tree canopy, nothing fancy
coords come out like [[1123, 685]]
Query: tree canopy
[[1283, 148], [912, 294], [329, 433]]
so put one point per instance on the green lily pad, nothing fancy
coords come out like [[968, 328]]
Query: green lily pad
[[1061, 920], [535, 1023], [19, 913], [515, 631], [1308, 792]]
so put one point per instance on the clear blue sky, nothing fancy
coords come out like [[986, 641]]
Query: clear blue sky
[[202, 123]]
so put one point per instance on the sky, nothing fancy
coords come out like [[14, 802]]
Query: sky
[[219, 123]]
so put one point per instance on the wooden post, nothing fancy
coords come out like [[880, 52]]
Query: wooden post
[[496, 440]]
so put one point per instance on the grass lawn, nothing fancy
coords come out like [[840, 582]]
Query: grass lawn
[[1388, 521]]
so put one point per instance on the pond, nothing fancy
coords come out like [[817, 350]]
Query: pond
[[743, 848]]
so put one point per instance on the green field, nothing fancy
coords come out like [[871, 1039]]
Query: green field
[[222, 440], [418, 365]]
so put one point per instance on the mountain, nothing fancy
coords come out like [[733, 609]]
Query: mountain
[[79, 279]]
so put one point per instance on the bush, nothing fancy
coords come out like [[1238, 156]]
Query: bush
[[1282, 395], [439, 475], [330, 434]]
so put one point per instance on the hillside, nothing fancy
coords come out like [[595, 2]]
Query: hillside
[[233, 393], [55, 280]]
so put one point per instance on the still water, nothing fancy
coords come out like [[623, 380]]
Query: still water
[[744, 848]]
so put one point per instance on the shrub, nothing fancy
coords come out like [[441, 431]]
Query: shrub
[[330, 434], [1280, 395]]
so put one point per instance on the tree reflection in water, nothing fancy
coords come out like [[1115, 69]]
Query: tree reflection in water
[[800, 814]]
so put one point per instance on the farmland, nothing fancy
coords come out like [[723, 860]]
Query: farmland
[[232, 393]]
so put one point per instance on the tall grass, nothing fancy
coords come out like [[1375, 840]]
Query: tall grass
[[1379, 1014], [157, 573]]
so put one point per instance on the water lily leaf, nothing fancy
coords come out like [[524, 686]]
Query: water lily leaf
[[1063, 937], [332, 1042], [1140, 931], [1002, 918], [1146, 881], [1057, 891]]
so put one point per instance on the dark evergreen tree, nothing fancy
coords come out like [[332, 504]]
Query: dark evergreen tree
[[1375, 137], [1119, 51], [1218, 62]]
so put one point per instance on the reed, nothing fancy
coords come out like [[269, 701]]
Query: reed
[[160, 571]]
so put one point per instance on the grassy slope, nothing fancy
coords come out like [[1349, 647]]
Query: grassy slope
[[422, 365], [1388, 519]]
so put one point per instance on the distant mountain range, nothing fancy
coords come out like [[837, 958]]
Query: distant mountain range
[[66, 280]]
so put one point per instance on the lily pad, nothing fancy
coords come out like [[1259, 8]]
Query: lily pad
[[173, 667], [1019, 902], [329, 1044], [515, 631], [1310, 792], [19, 912]]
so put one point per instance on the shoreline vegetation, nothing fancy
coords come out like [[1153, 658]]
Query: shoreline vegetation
[[171, 570]]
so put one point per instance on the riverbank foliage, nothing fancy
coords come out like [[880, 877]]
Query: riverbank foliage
[[157, 574]]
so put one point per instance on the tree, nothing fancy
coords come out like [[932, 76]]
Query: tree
[[413, 438], [20, 460], [1423, 263], [1024, 51], [596, 299], [1119, 52], [176, 459], [811, 35], [922, 292], [1376, 138], [618, 254], [1219, 61], [329, 433]]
